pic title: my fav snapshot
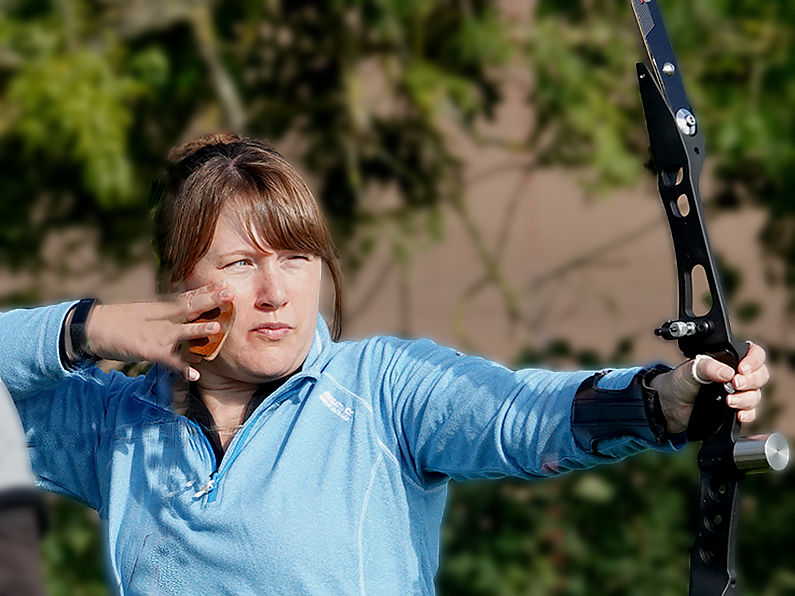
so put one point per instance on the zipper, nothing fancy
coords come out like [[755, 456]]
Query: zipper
[[229, 457], [208, 486], [208, 489]]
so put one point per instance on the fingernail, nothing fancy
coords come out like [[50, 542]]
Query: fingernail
[[193, 374], [224, 294], [740, 383], [731, 401]]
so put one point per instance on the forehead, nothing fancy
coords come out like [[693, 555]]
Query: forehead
[[276, 221], [234, 231]]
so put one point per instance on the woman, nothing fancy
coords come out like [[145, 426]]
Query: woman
[[291, 463]]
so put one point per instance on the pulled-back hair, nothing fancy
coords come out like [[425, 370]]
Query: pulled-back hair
[[268, 195]]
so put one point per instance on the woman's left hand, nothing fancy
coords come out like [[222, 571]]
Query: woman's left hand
[[678, 388]]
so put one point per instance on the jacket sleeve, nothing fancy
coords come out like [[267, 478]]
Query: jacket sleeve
[[464, 417], [29, 349], [63, 411]]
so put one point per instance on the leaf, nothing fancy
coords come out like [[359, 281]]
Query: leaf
[[75, 107], [594, 488]]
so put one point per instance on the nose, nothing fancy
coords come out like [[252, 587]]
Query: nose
[[271, 292]]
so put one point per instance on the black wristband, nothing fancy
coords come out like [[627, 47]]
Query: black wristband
[[77, 329], [653, 406]]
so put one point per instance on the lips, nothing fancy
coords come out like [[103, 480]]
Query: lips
[[272, 331]]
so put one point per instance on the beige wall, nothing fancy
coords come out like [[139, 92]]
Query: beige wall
[[625, 291]]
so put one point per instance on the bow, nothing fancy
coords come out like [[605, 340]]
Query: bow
[[678, 151]]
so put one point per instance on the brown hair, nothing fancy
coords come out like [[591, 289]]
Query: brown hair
[[270, 196]]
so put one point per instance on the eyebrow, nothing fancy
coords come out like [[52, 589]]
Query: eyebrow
[[246, 252], [241, 252]]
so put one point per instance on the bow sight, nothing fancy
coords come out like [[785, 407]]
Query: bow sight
[[678, 151]]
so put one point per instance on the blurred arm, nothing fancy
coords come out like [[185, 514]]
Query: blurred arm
[[21, 509]]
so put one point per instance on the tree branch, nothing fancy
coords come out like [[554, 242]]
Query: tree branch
[[201, 24], [590, 256]]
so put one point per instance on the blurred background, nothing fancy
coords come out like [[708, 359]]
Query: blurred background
[[484, 168]]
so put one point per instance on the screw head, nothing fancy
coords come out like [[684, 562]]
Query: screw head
[[669, 69], [686, 122]]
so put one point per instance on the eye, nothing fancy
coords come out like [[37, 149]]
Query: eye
[[238, 264], [299, 257]]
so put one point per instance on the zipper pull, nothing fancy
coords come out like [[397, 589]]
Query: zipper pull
[[207, 488]]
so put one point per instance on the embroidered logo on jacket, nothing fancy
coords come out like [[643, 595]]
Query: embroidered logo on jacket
[[335, 406]]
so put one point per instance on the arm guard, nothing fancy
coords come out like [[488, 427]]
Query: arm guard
[[634, 411]]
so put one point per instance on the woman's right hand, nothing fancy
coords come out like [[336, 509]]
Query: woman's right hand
[[154, 331]]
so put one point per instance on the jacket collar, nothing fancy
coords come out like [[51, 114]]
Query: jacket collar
[[319, 351]]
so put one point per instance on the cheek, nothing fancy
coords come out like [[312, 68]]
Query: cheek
[[241, 285], [201, 276], [315, 281], [306, 293]]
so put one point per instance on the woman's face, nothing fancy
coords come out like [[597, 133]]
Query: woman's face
[[276, 302]]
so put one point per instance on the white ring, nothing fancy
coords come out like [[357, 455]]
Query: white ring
[[693, 372]]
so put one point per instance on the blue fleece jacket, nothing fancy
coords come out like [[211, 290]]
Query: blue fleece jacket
[[335, 485]]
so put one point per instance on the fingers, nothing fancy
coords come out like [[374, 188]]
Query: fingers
[[179, 364], [753, 380], [754, 359], [753, 370], [190, 306], [746, 402], [753, 374], [710, 370], [147, 331], [187, 306], [189, 331], [193, 303]]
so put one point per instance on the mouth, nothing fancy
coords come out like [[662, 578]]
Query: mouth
[[272, 331]]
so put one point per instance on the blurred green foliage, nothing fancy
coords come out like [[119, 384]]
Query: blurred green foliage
[[94, 92], [74, 558], [619, 530]]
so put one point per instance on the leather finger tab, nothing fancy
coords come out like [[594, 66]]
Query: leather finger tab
[[208, 347]]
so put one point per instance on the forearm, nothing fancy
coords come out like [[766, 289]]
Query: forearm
[[464, 418], [21, 508]]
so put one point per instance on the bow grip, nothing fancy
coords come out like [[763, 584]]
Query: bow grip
[[710, 411]]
